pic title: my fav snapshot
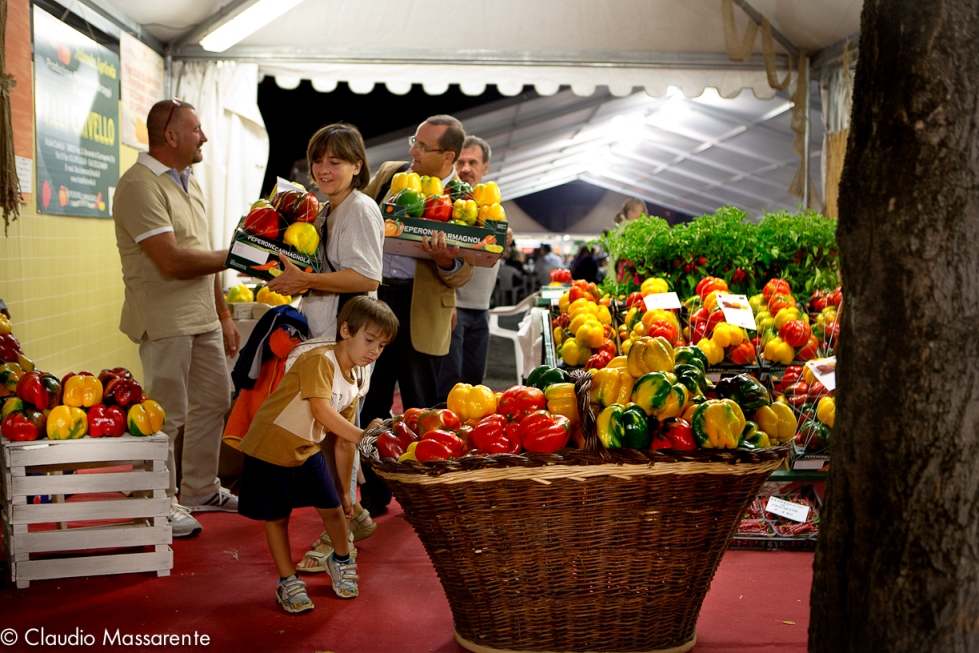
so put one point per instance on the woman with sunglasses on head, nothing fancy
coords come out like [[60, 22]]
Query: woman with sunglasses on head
[[351, 242]]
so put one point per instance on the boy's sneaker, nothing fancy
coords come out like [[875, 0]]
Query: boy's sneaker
[[291, 595], [222, 501], [182, 523], [362, 526], [344, 575]]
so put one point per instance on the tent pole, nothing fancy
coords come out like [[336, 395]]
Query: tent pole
[[806, 134]]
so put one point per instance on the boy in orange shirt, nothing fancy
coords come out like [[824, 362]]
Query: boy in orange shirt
[[282, 470]]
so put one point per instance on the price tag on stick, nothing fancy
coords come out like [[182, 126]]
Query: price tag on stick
[[665, 300], [824, 369], [787, 509], [737, 311]]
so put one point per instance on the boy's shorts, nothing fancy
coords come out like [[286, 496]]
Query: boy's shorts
[[268, 492]]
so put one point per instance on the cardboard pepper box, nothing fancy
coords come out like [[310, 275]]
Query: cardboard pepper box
[[481, 246], [259, 257]]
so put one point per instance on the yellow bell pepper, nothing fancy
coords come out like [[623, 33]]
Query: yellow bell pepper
[[561, 400], [239, 293], [579, 319], [619, 361], [465, 210], [303, 237], [626, 346], [650, 355], [563, 302], [718, 424], [67, 423], [727, 335], [714, 353], [5, 325], [826, 411], [272, 298], [660, 315], [492, 213], [471, 402], [591, 334], [757, 303], [486, 194], [582, 305], [574, 354], [430, 186], [558, 335], [777, 420], [653, 286], [604, 315], [631, 317], [710, 301], [403, 180], [409, 454], [764, 321], [82, 391], [788, 314], [146, 418], [611, 385], [777, 350]]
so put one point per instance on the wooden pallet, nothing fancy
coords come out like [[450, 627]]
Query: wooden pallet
[[124, 546]]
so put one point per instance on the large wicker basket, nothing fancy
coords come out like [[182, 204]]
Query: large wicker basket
[[578, 550]]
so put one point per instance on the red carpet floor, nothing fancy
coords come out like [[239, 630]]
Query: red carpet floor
[[222, 586]]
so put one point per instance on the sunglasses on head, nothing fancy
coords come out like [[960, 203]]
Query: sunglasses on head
[[175, 102]]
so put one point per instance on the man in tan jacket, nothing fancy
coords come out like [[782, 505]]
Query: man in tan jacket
[[421, 292]]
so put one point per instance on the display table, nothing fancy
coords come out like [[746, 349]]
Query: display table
[[139, 534]]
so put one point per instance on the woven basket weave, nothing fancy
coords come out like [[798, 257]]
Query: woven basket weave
[[578, 550]]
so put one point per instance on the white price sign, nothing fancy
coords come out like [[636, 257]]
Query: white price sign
[[736, 310], [787, 509], [824, 369], [664, 300]]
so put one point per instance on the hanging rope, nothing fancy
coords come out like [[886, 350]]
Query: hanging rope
[[9, 183], [737, 51], [768, 49]]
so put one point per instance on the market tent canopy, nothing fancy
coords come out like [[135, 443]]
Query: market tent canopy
[[690, 155], [618, 44]]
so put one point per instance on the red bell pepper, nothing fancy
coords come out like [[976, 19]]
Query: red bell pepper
[[410, 418], [817, 301], [263, 220], [743, 354], [797, 393], [520, 401], [427, 450], [835, 297], [489, 435], [449, 439], [776, 287], [106, 420], [41, 389], [599, 360], [438, 207], [675, 433], [795, 332], [123, 393], [437, 418], [23, 425], [9, 348], [560, 275], [634, 299], [791, 375], [388, 445], [809, 350], [404, 434], [542, 432], [107, 375]]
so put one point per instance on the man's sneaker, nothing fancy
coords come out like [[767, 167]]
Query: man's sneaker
[[182, 523], [362, 526], [222, 501], [344, 575], [291, 595]]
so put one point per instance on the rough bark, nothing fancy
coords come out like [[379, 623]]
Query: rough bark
[[897, 564]]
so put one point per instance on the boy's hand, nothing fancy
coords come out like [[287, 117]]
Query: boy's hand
[[348, 508], [376, 423]]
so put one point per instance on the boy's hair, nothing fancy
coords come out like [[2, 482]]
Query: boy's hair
[[345, 143], [363, 311]]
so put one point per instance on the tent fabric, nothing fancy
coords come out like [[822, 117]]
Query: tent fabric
[[235, 157]]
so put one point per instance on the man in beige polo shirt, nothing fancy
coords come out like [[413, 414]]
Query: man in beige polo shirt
[[175, 306]]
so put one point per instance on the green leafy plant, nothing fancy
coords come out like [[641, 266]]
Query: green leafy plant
[[800, 248]]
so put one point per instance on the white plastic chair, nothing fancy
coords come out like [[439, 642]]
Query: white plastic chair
[[518, 337]]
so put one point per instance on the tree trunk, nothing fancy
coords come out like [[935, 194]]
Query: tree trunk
[[897, 564]]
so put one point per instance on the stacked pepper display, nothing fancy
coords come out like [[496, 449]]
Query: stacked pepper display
[[583, 328], [707, 328], [824, 308], [784, 331], [812, 403], [417, 196], [38, 405]]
